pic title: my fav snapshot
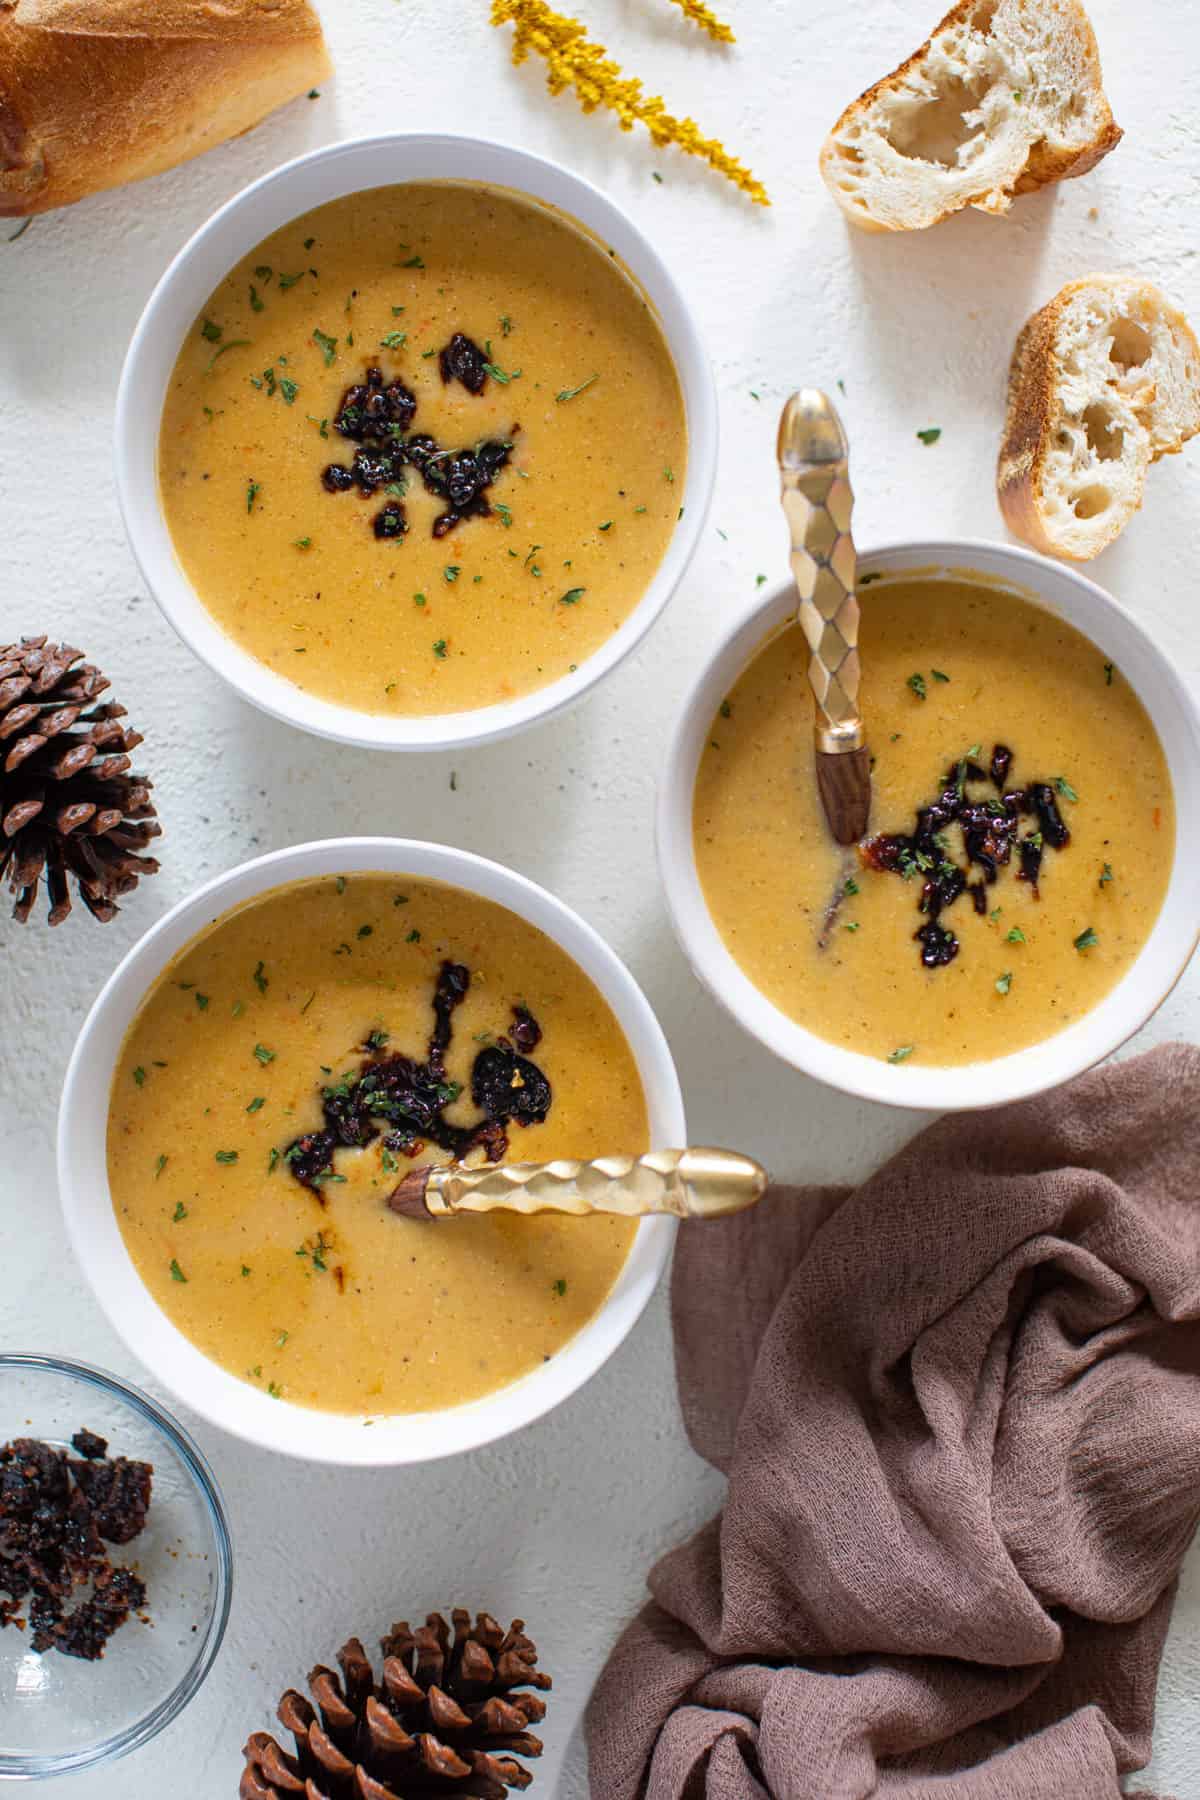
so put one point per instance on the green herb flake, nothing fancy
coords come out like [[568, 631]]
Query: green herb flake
[[1004, 982], [452, 571], [245, 1268], [726, 710], [419, 600], [177, 1273], [180, 1213], [263, 1054], [227, 1156], [1015, 935], [139, 1075], [256, 302], [570, 393], [560, 1287], [503, 376], [1106, 874], [257, 1104], [850, 887], [938, 676], [930, 434], [395, 340], [439, 649], [260, 978], [366, 931], [326, 344], [212, 333], [233, 344], [288, 389], [1086, 939], [253, 490], [901, 1053], [572, 597], [202, 1002], [414, 936], [1065, 789], [340, 884], [272, 1164], [1108, 674], [505, 512], [275, 1392], [917, 684], [852, 926], [304, 543], [159, 1166]]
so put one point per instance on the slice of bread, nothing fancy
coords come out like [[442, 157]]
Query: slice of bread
[[1005, 97], [1104, 381]]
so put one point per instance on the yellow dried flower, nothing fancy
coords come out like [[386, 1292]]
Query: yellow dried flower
[[702, 15], [573, 61]]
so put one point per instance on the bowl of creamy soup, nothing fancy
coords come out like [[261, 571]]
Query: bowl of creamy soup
[[414, 440], [259, 1075], [1027, 891]]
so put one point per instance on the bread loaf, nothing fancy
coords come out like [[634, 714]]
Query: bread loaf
[[1104, 380], [1004, 97], [94, 93]]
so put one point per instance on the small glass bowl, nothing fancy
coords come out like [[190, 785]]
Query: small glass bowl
[[57, 1713]]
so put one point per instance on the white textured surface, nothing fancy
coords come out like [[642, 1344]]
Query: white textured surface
[[561, 1522]]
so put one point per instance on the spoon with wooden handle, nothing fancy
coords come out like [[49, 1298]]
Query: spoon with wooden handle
[[818, 501], [689, 1184]]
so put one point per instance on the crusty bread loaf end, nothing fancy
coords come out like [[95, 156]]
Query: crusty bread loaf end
[[1104, 380], [1004, 97], [94, 93]]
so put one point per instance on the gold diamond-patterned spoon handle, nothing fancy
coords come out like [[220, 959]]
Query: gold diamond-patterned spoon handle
[[818, 501], [689, 1184]]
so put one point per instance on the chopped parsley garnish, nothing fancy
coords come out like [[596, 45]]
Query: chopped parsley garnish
[[326, 344], [227, 1156], [930, 434], [560, 1286], [1086, 939], [414, 936], [288, 389], [506, 325], [256, 301], [452, 571], [159, 1166], [1064, 787], [212, 333], [1108, 674], [917, 684], [139, 1075], [257, 1104], [938, 676], [260, 979], [570, 393], [253, 490], [901, 1053], [850, 887], [263, 1054], [439, 648], [322, 425], [177, 1273], [302, 543], [180, 1213], [1004, 982], [1106, 874], [272, 1165], [505, 512], [395, 340], [573, 596], [1015, 935], [503, 376], [365, 931], [202, 1002]]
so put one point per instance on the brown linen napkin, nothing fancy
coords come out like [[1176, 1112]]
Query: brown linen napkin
[[959, 1409]]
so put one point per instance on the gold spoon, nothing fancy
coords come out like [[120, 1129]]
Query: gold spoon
[[689, 1184], [818, 501]]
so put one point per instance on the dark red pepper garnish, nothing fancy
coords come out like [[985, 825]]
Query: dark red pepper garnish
[[407, 1099], [991, 830], [56, 1515], [463, 360]]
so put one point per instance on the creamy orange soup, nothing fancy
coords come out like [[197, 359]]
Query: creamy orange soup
[[950, 671], [319, 1293], [577, 382]]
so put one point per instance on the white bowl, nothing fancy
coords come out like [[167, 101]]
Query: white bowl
[[286, 193], [203, 1385], [1140, 991]]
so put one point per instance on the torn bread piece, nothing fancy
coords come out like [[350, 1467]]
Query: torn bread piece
[[1004, 97], [1104, 380]]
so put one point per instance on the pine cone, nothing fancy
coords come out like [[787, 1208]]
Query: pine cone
[[67, 801], [443, 1721]]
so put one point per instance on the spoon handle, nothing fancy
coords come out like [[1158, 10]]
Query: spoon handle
[[818, 502], [689, 1184]]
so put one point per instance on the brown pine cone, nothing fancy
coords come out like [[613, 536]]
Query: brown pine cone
[[444, 1720], [68, 805]]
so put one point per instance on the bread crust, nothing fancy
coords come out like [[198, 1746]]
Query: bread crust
[[95, 93], [1033, 414], [1043, 165]]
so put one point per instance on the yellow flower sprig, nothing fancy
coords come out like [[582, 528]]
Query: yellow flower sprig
[[574, 61], [706, 19]]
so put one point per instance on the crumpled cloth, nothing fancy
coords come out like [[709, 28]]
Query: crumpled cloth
[[959, 1411]]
